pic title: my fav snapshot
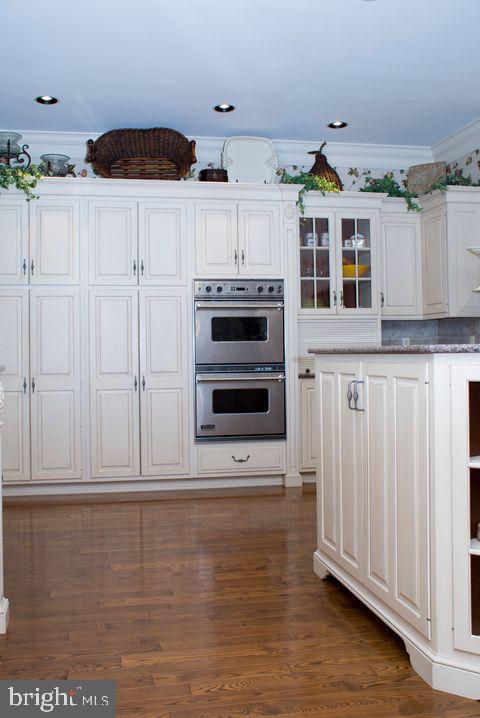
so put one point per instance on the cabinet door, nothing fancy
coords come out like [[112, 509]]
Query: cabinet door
[[114, 405], [15, 381], [113, 242], [54, 242], [339, 468], [259, 240], [163, 243], [309, 424], [316, 264], [396, 489], [357, 264], [463, 231], [13, 242], [216, 249], [55, 384], [163, 360], [434, 263], [401, 259]]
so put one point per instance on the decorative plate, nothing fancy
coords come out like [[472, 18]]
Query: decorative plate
[[249, 159]]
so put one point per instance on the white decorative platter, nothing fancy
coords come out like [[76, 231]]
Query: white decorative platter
[[249, 159]]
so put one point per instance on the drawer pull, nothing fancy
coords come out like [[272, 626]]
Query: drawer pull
[[241, 461]]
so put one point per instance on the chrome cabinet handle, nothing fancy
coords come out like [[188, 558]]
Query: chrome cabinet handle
[[356, 395], [25, 384], [334, 299], [235, 256], [33, 385], [24, 267], [142, 267], [382, 299], [350, 396], [143, 383], [135, 384], [239, 377], [243, 258], [32, 266], [341, 299], [240, 461], [134, 267]]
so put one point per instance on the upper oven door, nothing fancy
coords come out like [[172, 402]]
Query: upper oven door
[[239, 333]]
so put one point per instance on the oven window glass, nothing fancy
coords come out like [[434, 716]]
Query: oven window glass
[[239, 329], [240, 401]]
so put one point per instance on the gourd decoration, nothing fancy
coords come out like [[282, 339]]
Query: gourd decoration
[[321, 168]]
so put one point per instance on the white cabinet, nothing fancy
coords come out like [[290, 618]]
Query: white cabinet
[[216, 249], [54, 241], [308, 425], [114, 383], [163, 243], [241, 238], [14, 258], [339, 490], [55, 383], [164, 376], [112, 242], [14, 347], [463, 231], [396, 489], [401, 263], [259, 240], [373, 479], [434, 262]]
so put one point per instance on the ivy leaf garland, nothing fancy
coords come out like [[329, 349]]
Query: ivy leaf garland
[[310, 183], [390, 186], [24, 179]]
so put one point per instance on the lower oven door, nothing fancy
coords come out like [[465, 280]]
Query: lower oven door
[[230, 406], [239, 333]]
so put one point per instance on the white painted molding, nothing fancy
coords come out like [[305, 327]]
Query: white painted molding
[[289, 152], [458, 144]]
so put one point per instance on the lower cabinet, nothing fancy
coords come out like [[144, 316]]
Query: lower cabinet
[[237, 458], [373, 480], [40, 348], [308, 425], [138, 403]]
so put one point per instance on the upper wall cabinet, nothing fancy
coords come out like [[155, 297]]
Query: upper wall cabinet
[[163, 243], [14, 258], [400, 265], [54, 241], [241, 238], [112, 242]]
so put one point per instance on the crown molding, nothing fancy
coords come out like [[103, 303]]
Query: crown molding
[[458, 144], [289, 152]]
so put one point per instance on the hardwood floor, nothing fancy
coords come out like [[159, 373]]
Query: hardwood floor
[[204, 608]]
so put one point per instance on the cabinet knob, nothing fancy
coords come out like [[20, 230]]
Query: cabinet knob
[[134, 267], [142, 267], [24, 267], [135, 384], [32, 266], [243, 258], [382, 299], [143, 383], [235, 256], [334, 298]]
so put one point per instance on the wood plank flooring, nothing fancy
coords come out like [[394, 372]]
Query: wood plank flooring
[[201, 608]]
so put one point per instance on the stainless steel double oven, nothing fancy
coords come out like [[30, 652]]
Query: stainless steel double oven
[[239, 359]]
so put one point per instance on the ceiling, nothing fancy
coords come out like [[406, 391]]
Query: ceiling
[[399, 71]]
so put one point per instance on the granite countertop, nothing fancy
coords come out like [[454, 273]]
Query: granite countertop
[[400, 349]]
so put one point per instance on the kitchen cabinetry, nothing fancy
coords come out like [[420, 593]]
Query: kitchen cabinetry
[[134, 243], [434, 265], [14, 255], [338, 263], [400, 265], [139, 409], [54, 241], [238, 238], [308, 425], [417, 422]]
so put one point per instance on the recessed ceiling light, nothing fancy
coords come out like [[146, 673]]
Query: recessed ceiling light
[[337, 125], [46, 100], [224, 107]]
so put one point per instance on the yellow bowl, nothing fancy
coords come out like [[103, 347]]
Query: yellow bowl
[[349, 270]]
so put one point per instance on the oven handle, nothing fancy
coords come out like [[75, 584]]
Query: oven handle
[[237, 305], [239, 377]]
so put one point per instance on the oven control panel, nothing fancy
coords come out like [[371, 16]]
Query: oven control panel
[[238, 288]]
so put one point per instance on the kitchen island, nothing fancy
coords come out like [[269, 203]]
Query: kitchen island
[[3, 600], [398, 493]]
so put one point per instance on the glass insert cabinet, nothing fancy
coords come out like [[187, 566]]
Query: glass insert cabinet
[[337, 263]]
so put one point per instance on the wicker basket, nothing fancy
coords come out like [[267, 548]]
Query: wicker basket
[[157, 153]]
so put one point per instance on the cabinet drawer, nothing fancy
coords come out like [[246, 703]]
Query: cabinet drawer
[[242, 459]]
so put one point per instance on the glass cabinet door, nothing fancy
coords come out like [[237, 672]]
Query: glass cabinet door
[[356, 264], [316, 266]]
